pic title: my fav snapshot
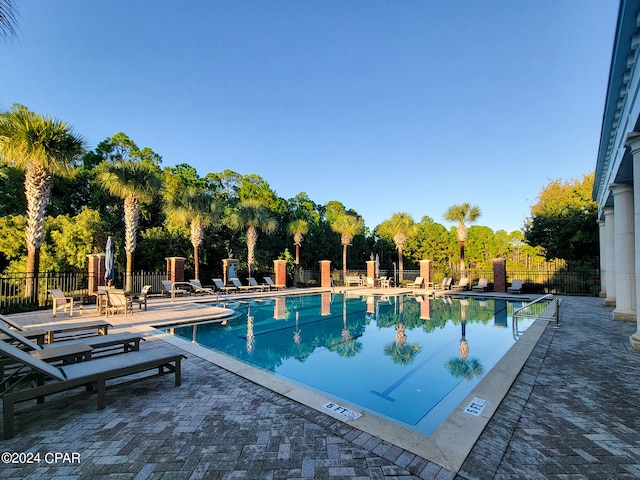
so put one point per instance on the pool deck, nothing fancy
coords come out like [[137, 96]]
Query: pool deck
[[570, 411]]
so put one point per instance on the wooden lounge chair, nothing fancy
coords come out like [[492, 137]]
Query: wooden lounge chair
[[418, 283], [117, 300], [129, 342], [482, 286], [462, 285], [276, 286], [49, 379], [515, 287], [198, 288], [221, 287], [60, 300], [141, 298], [95, 327]]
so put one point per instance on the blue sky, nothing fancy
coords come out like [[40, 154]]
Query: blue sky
[[386, 106]]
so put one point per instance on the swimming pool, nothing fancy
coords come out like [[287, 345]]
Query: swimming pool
[[409, 359]]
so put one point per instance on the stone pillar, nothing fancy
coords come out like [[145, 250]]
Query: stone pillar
[[96, 271], [425, 271], [624, 265], [500, 275], [371, 269], [175, 268], [610, 254], [229, 269], [280, 271], [325, 273], [633, 142], [603, 259]]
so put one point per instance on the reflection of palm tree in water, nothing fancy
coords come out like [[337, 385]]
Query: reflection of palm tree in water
[[347, 347], [296, 333], [461, 367], [400, 351]]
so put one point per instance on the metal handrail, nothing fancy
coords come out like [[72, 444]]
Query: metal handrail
[[518, 313]]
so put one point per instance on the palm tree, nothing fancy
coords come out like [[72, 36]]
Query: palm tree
[[462, 213], [348, 226], [41, 147], [298, 228], [193, 207], [135, 183], [7, 19], [252, 215], [400, 226]]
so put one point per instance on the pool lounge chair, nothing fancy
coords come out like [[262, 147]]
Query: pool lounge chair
[[198, 288], [129, 342], [254, 283], [238, 284], [462, 285], [48, 332], [60, 300], [275, 286], [417, 283], [445, 285], [221, 287], [482, 286], [515, 287], [171, 289], [49, 379]]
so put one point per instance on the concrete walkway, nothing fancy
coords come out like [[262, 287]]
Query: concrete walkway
[[571, 413]]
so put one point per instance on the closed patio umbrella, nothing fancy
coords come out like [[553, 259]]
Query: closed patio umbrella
[[109, 272]]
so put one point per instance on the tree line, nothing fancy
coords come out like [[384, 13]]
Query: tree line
[[60, 202]]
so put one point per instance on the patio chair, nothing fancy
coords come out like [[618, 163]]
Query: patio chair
[[482, 286], [35, 379], [59, 299], [515, 287], [418, 283], [171, 289], [118, 300], [385, 282], [141, 298], [48, 332], [221, 287], [198, 288], [462, 285], [275, 286], [129, 342]]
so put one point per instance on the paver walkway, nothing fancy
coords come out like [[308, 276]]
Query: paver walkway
[[572, 413]]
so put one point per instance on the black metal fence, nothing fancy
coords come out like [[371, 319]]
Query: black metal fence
[[13, 299]]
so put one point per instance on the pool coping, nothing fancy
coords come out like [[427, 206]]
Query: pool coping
[[452, 441]]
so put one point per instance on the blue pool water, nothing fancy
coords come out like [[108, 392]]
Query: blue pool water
[[409, 359]]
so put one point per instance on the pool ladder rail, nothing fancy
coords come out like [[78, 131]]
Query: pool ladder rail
[[519, 313]]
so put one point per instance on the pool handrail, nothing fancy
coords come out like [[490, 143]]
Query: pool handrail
[[548, 296]]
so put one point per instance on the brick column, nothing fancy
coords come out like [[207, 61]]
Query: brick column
[[499, 275], [371, 269], [175, 268], [325, 273], [280, 271], [425, 271], [95, 270]]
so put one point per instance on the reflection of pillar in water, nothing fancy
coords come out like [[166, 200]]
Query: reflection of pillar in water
[[371, 304], [250, 338], [280, 308], [500, 313], [425, 308], [325, 304], [194, 332]]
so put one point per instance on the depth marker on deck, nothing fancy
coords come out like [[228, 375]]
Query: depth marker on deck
[[334, 407]]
